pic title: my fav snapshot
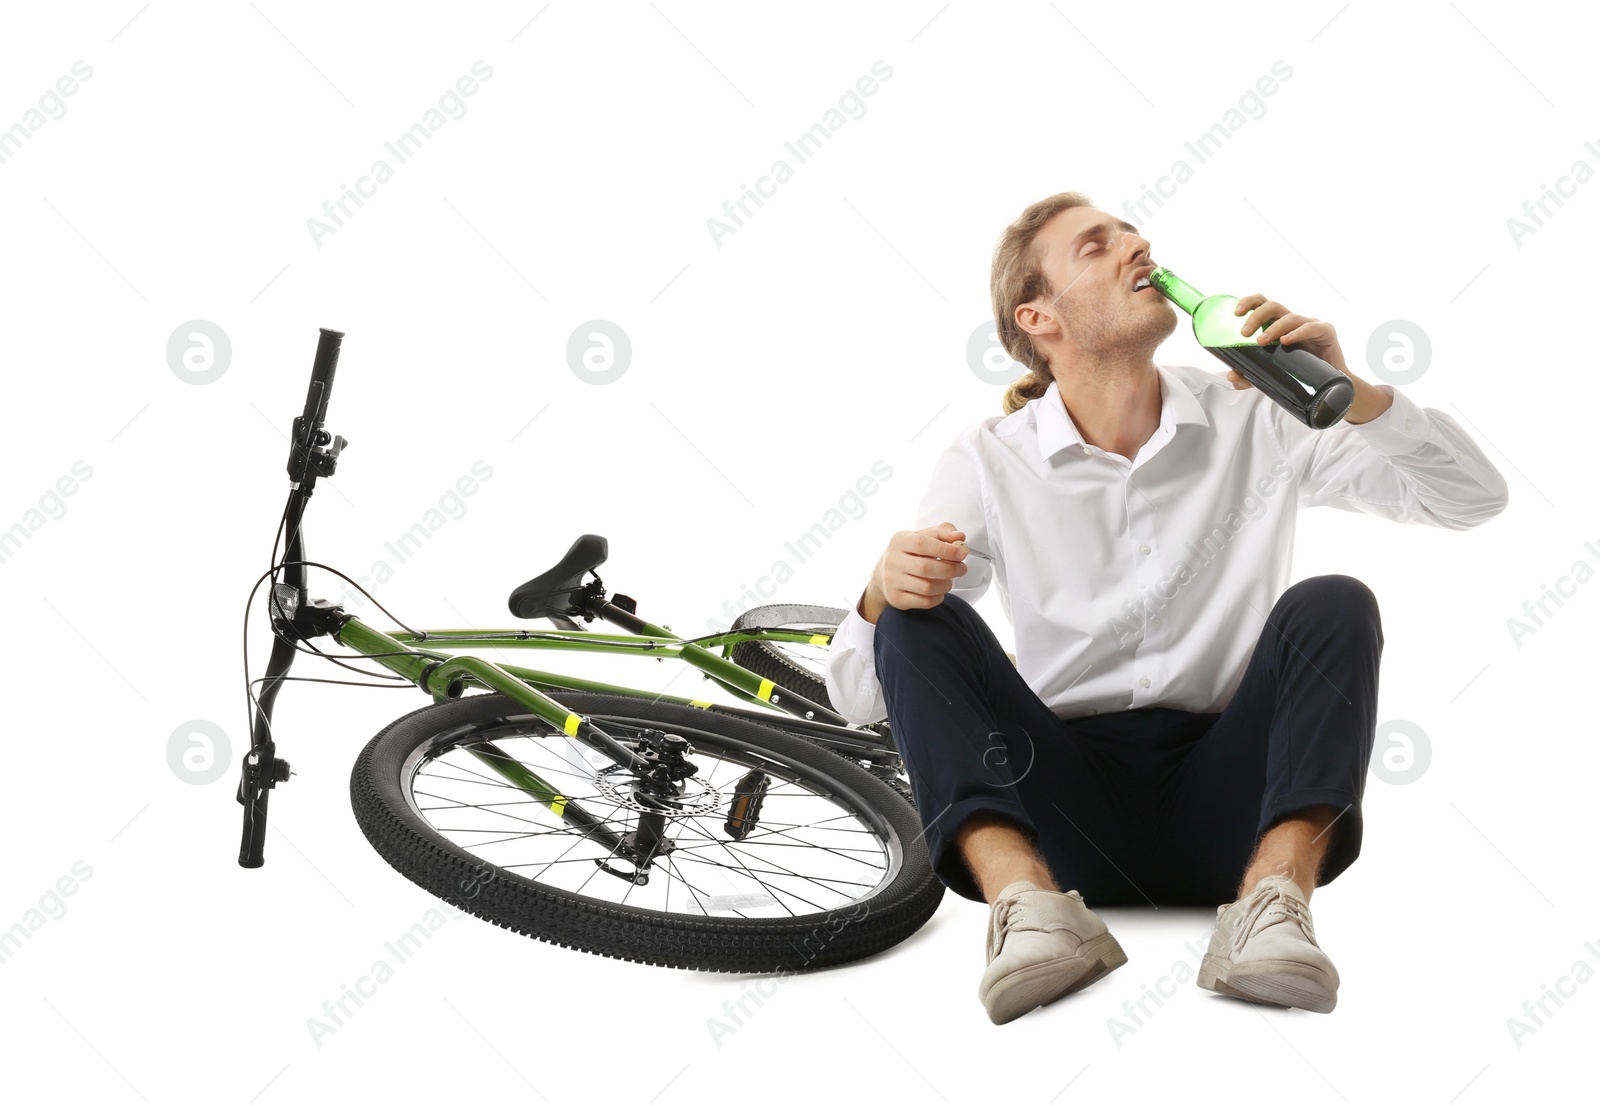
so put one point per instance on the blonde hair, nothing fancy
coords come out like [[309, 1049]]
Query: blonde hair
[[1017, 277]]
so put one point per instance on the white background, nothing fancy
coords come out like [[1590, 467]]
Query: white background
[[769, 372]]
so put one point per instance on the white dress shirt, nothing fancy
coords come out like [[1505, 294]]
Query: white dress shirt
[[1147, 582]]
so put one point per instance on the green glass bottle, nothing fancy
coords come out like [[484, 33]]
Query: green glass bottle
[[1312, 390]]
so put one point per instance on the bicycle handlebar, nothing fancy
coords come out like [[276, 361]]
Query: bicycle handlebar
[[312, 454]]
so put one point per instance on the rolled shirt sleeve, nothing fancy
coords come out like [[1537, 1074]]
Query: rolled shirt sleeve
[[852, 673]]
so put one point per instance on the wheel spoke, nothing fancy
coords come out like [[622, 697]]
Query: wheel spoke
[[567, 770], [609, 856], [746, 869], [587, 835], [803, 845], [507, 837], [819, 880], [773, 892], [696, 895]]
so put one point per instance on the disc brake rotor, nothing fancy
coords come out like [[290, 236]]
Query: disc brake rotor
[[621, 786]]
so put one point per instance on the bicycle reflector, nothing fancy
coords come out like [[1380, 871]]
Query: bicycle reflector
[[746, 806]]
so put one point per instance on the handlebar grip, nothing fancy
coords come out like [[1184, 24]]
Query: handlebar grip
[[252, 844], [322, 374]]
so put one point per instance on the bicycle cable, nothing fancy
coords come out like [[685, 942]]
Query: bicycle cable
[[320, 680], [303, 645], [253, 703]]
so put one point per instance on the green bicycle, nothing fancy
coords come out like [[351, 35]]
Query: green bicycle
[[649, 827]]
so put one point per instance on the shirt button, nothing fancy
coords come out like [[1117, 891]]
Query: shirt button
[[1144, 549], [1145, 682], [1155, 622]]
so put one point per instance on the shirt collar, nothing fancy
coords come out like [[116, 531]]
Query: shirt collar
[[1057, 431]]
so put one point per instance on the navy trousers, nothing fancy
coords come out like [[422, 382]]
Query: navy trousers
[[1151, 805]]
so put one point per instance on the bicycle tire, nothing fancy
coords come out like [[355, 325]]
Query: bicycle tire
[[404, 838], [769, 659]]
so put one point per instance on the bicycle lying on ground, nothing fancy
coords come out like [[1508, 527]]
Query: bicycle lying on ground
[[649, 827]]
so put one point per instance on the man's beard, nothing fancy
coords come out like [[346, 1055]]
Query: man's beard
[[1113, 332]]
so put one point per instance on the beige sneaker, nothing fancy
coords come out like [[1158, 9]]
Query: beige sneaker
[[1265, 950], [1042, 945]]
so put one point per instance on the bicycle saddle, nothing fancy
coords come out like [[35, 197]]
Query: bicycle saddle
[[553, 594]]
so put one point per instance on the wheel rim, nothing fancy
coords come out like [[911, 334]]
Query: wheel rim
[[816, 847]]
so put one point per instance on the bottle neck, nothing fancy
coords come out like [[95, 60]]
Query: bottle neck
[[1184, 295]]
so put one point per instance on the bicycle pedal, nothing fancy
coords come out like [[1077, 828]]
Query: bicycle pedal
[[745, 809]]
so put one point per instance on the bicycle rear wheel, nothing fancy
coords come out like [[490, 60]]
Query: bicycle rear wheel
[[831, 869], [796, 666]]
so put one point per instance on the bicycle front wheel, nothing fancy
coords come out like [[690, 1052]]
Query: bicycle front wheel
[[827, 867]]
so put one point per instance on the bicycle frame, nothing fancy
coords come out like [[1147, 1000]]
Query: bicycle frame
[[446, 676]]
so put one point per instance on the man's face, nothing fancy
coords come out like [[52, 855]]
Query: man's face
[[1092, 261]]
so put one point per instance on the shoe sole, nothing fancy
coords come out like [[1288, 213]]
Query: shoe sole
[[1041, 984], [1276, 982]]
